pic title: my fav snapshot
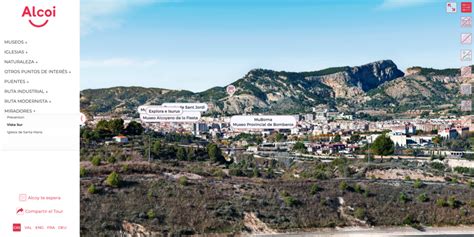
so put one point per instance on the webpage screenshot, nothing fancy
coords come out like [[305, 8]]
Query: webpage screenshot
[[143, 118]]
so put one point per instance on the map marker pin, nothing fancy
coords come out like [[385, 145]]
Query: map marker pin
[[230, 90]]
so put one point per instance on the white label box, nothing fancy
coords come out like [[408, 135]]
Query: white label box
[[253, 122]]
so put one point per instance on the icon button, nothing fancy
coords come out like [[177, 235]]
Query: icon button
[[466, 38], [466, 55], [466, 105], [466, 7], [20, 211], [16, 227], [466, 21], [451, 7], [466, 89], [466, 71], [22, 197]]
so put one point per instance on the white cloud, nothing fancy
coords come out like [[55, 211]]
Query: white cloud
[[118, 62], [98, 15], [393, 4]]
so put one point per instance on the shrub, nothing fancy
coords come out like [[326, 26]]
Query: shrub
[[438, 166], [408, 220], [113, 179], [290, 201], [418, 183], [151, 214], [96, 161], [470, 184], [111, 160], [403, 198], [463, 212], [471, 203], [255, 172], [183, 181], [452, 202], [358, 188], [83, 172], [407, 178], [441, 202], [423, 197], [92, 189], [314, 189], [284, 193], [125, 168], [366, 192], [343, 186], [219, 173], [359, 213]]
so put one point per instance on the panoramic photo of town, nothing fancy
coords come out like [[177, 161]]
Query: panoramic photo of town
[[392, 162], [207, 118]]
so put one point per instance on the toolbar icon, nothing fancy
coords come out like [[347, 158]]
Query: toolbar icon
[[466, 21], [466, 89], [466, 7], [466, 55], [20, 211], [466, 38], [466, 105], [451, 7], [466, 72], [22, 197]]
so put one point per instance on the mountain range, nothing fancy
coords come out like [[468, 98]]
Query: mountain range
[[376, 86]]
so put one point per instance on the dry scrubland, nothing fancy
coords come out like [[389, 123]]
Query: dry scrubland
[[156, 199]]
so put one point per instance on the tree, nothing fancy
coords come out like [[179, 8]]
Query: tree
[[156, 148], [181, 153], [425, 114], [437, 140], [354, 138], [337, 138], [299, 146], [215, 153], [116, 126], [191, 154], [113, 179], [383, 145], [134, 128], [279, 137]]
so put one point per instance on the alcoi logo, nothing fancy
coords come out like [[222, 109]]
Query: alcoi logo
[[38, 17]]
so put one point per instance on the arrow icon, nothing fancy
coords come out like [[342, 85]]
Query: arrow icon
[[19, 211]]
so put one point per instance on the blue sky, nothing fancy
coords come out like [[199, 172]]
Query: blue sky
[[198, 44]]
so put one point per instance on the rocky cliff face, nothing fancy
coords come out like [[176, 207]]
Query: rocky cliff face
[[374, 85]]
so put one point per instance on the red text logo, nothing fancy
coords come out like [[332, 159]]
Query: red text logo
[[38, 17]]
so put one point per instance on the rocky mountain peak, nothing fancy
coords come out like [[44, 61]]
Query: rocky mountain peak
[[371, 75]]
